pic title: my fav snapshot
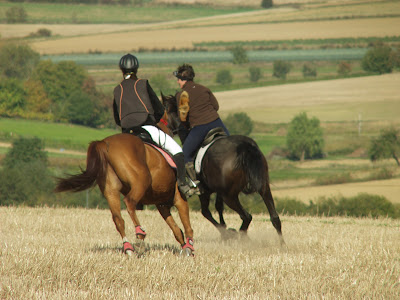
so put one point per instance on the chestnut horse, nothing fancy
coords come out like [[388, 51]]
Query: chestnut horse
[[231, 165], [122, 163]]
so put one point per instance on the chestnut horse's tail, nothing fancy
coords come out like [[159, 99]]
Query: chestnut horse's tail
[[96, 167], [251, 161]]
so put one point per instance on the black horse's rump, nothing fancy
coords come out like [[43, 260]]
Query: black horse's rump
[[250, 159]]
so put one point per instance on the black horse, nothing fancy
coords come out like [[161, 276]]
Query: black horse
[[231, 165]]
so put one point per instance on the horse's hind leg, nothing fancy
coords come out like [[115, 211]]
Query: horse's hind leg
[[205, 209], [233, 203], [113, 199], [276, 222], [219, 206]]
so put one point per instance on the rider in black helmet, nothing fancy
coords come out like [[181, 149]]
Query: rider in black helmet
[[137, 108]]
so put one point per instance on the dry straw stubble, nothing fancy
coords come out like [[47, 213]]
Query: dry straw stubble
[[59, 253]]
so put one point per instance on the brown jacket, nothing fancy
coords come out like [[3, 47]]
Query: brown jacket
[[202, 102]]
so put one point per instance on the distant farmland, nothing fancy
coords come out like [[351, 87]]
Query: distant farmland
[[214, 56], [186, 37]]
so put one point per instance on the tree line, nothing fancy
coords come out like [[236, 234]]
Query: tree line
[[43, 90]]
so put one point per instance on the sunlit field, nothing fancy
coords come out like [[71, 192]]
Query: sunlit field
[[54, 253]]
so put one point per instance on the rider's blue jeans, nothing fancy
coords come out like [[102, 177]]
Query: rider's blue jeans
[[196, 137]]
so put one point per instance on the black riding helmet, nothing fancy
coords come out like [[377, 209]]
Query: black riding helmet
[[184, 72], [128, 64]]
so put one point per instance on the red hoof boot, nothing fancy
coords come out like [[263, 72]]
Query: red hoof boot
[[128, 248], [188, 249], [140, 232]]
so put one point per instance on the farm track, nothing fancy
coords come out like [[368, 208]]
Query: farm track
[[51, 150]]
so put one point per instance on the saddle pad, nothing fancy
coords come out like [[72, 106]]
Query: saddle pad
[[167, 157], [199, 157]]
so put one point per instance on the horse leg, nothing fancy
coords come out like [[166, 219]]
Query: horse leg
[[113, 199], [131, 208], [165, 212], [183, 211], [205, 210], [233, 203], [219, 206], [276, 222]]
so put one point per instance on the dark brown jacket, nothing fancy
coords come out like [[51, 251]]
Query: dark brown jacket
[[138, 107], [202, 102]]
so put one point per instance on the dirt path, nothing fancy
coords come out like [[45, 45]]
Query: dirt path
[[51, 150]]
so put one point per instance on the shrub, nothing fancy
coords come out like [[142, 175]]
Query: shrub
[[333, 179], [291, 206], [224, 77], [239, 55], [380, 59], [361, 205], [239, 123], [281, 69], [344, 68], [364, 205], [16, 14], [309, 70], [386, 145], [255, 74], [266, 3], [42, 32], [24, 178], [17, 61], [305, 137]]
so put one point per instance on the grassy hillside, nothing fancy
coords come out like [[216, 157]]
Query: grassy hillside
[[54, 135]]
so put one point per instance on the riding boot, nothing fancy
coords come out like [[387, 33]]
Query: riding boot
[[193, 178], [183, 186], [191, 172]]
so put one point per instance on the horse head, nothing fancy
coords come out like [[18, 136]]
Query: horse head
[[171, 109]]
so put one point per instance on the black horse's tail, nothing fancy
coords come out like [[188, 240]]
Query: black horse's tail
[[96, 166], [250, 159]]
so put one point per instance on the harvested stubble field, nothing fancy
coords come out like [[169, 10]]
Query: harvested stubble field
[[54, 253], [374, 97]]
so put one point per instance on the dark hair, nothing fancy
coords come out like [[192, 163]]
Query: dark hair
[[128, 64], [184, 72]]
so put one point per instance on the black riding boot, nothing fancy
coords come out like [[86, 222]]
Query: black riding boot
[[191, 172], [181, 175]]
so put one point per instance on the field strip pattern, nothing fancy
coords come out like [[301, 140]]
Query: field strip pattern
[[355, 90], [185, 37], [390, 189]]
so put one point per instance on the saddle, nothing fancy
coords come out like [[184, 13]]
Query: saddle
[[212, 136], [146, 138]]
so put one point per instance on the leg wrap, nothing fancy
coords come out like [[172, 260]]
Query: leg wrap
[[189, 244], [140, 231]]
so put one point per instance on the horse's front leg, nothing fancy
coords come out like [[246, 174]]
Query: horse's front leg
[[183, 210]]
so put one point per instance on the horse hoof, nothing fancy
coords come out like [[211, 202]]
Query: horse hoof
[[187, 252], [129, 252]]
